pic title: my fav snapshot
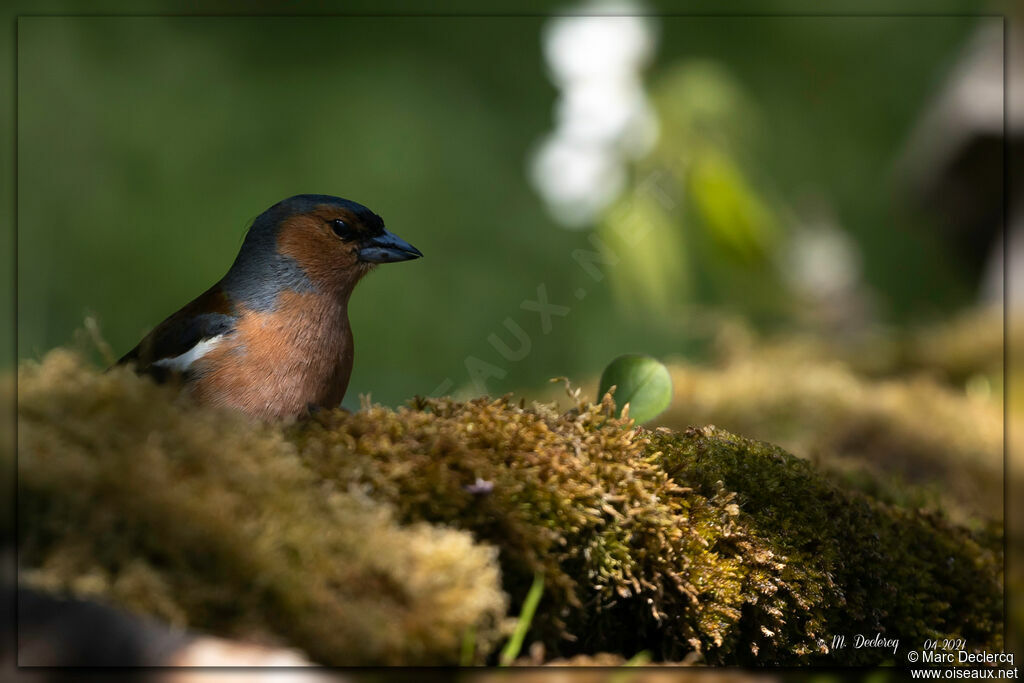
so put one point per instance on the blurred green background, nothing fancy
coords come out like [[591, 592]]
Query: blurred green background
[[146, 145]]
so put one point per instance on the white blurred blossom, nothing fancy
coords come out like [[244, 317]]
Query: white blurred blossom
[[823, 266], [576, 179], [602, 117], [595, 47], [608, 113], [824, 262]]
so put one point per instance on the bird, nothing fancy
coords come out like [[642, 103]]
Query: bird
[[272, 337]]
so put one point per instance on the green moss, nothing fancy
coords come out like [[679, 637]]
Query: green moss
[[854, 565], [346, 535]]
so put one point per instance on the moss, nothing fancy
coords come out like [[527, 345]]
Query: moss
[[131, 494], [576, 497], [914, 441], [633, 527], [966, 345], [346, 534], [857, 565]]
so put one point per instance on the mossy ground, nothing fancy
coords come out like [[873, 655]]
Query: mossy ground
[[913, 440], [387, 536], [130, 494], [914, 418]]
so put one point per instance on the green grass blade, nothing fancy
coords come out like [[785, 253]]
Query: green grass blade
[[468, 647], [515, 643]]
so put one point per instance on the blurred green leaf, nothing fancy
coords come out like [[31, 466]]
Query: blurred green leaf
[[733, 213], [652, 273], [642, 382]]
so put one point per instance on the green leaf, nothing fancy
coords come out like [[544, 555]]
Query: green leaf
[[735, 215], [640, 381]]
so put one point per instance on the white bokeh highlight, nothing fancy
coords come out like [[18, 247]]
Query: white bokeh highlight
[[602, 117]]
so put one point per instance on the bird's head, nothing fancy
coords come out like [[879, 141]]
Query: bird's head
[[318, 241]]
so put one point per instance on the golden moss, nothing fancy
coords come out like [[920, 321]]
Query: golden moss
[[688, 545], [968, 344], [576, 497], [208, 520], [888, 433], [669, 542]]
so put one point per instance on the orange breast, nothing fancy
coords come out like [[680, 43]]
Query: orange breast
[[278, 363]]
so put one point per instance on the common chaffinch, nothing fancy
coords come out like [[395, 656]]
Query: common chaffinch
[[272, 337]]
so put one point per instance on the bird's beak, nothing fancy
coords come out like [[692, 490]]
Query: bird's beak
[[387, 248]]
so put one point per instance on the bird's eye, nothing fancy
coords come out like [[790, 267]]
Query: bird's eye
[[342, 229]]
